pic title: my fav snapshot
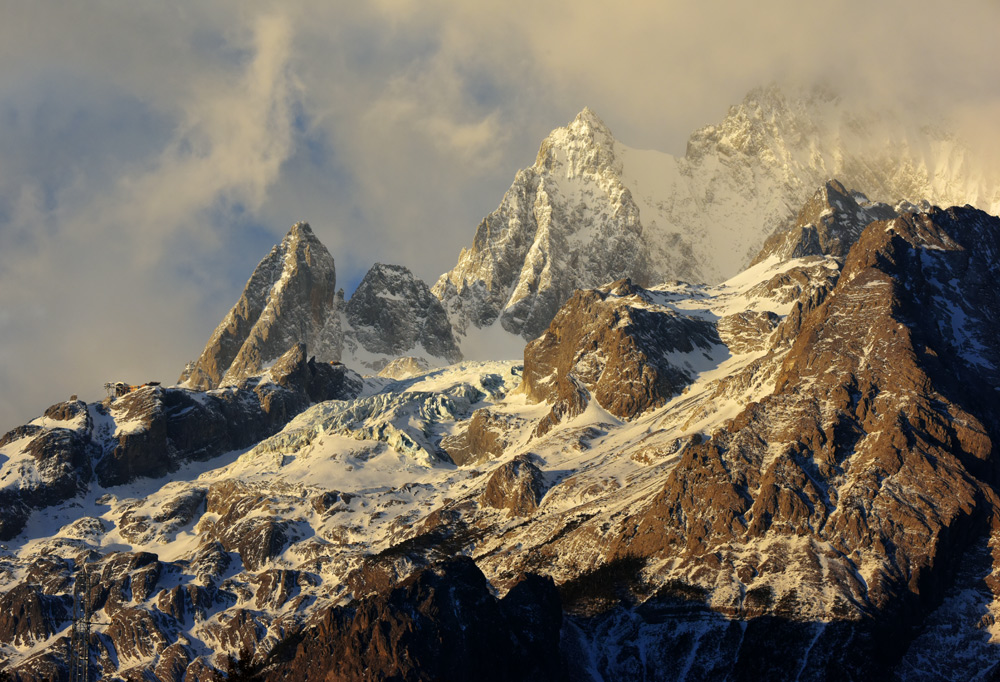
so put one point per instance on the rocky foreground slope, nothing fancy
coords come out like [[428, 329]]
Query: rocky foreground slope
[[788, 475]]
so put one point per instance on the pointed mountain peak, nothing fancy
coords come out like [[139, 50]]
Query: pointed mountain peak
[[288, 299], [299, 232], [392, 312], [300, 228], [586, 141], [834, 188], [834, 199], [830, 197], [587, 117], [389, 270], [827, 224], [589, 125]]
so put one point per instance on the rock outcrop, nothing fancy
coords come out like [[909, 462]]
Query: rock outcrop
[[516, 486], [44, 466], [630, 355], [487, 436], [393, 314], [159, 428], [246, 524], [441, 624], [28, 616]]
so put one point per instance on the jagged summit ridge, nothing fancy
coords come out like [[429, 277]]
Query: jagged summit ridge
[[828, 224], [585, 144], [592, 210]]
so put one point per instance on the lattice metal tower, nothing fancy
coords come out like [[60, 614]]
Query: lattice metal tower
[[79, 644]]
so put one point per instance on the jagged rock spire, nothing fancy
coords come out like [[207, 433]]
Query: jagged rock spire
[[288, 299]]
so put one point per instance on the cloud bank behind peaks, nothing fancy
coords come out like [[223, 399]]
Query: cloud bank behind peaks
[[151, 153]]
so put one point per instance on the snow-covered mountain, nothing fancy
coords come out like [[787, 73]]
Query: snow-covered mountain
[[592, 210], [778, 475], [788, 474]]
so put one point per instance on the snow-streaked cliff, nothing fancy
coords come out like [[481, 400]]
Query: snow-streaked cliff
[[591, 209]]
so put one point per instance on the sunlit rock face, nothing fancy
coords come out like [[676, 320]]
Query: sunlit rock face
[[289, 299]]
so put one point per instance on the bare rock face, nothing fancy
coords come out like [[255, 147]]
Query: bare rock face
[[275, 587], [302, 379], [517, 486], [828, 224], [124, 579], [486, 437], [611, 343], [392, 313], [138, 634], [441, 624], [870, 468], [28, 616], [165, 427], [174, 661], [288, 300]]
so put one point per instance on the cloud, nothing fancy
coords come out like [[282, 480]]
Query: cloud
[[94, 239], [151, 153]]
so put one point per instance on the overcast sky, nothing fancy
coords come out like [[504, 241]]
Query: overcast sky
[[151, 153]]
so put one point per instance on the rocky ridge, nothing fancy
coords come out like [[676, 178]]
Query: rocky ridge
[[291, 298], [392, 314], [829, 224]]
